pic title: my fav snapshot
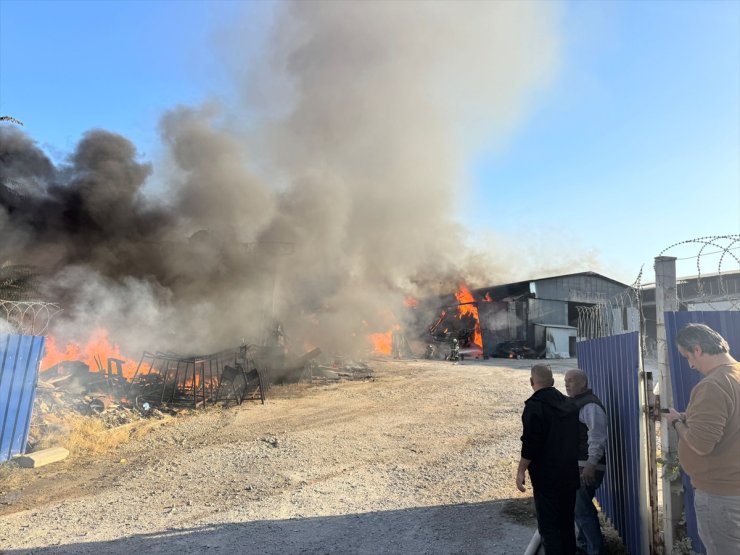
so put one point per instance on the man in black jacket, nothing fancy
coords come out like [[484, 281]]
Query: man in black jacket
[[550, 453]]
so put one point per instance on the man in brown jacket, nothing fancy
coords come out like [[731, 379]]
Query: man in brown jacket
[[709, 437]]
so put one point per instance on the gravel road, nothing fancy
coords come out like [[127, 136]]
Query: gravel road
[[419, 460]]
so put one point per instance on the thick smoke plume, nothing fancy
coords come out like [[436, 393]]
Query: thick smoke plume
[[330, 207]]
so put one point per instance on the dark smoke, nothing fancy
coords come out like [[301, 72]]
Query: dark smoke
[[89, 211], [328, 215]]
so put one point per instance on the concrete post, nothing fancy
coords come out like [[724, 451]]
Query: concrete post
[[666, 300]]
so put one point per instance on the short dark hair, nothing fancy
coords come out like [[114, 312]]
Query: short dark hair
[[542, 375], [705, 337]]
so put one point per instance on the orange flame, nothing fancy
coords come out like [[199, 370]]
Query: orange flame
[[97, 348], [383, 342], [469, 306], [411, 302]]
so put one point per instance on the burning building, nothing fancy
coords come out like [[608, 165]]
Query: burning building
[[327, 207], [537, 318]]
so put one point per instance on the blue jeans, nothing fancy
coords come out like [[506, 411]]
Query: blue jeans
[[589, 539]]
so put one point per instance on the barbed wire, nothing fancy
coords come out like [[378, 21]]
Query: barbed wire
[[617, 314], [711, 289], [29, 317], [725, 244]]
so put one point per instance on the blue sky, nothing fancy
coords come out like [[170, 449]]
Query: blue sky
[[633, 146], [636, 146], [66, 67]]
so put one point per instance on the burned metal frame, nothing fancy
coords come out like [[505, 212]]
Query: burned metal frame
[[170, 379]]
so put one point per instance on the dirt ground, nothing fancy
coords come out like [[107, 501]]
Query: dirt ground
[[421, 459]]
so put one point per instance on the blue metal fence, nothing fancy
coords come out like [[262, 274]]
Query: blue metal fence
[[683, 380], [20, 356], [613, 365]]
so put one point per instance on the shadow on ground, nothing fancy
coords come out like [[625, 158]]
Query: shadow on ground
[[496, 527]]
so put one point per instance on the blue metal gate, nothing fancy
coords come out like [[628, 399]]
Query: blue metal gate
[[20, 356], [683, 380], [613, 368]]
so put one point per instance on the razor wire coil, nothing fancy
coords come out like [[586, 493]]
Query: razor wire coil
[[29, 317], [711, 289]]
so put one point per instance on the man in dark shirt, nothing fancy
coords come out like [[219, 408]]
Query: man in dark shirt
[[550, 454]]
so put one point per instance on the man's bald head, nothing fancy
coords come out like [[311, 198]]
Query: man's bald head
[[541, 376], [576, 382]]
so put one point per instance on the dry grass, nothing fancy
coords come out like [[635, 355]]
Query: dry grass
[[8, 470], [88, 435], [82, 436]]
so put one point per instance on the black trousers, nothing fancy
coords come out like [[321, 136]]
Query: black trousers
[[555, 511]]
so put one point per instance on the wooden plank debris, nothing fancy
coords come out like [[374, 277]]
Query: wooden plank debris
[[42, 458]]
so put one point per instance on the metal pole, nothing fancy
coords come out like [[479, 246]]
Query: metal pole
[[648, 504], [533, 547], [666, 300]]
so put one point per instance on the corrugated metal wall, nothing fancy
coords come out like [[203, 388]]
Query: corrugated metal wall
[[20, 356], [613, 365], [501, 321], [542, 311], [683, 379], [577, 288]]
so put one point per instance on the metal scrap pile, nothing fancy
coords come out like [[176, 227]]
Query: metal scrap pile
[[169, 383], [196, 381]]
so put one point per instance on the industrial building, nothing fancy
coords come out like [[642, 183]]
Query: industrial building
[[542, 313]]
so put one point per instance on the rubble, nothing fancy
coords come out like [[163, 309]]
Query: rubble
[[55, 405], [167, 383], [341, 370]]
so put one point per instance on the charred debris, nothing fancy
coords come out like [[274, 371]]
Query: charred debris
[[169, 383]]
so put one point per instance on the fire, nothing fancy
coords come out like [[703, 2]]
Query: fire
[[411, 302], [469, 306], [97, 348], [383, 342]]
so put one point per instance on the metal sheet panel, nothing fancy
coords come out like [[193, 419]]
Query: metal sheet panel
[[547, 312], [612, 365], [20, 356], [683, 380], [578, 288]]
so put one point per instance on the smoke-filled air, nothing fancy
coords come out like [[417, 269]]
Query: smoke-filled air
[[334, 202]]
